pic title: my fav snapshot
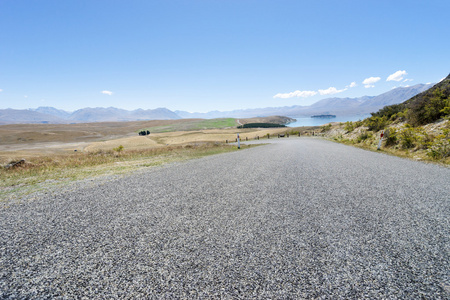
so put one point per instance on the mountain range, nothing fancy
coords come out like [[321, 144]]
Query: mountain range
[[336, 106], [85, 115]]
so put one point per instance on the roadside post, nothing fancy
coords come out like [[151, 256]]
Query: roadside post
[[239, 141], [381, 138]]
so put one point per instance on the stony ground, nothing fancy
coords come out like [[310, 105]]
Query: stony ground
[[300, 218]]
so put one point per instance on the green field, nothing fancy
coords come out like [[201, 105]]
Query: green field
[[195, 125]]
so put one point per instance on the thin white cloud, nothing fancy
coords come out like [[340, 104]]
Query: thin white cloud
[[371, 80], [1, 90], [351, 85], [397, 76], [297, 94], [406, 80], [368, 82], [109, 93], [330, 91]]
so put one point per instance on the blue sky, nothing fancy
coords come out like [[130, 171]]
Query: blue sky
[[203, 55]]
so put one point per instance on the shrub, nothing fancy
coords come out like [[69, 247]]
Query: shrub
[[144, 132], [429, 109], [349, 127], [363, 136], [389, 111], [390, 137], [424, 140], [326, 128], [407, 137], [376, 123], [358, 124], [439, 148], [399, 117], [118, 149], [446, 111]]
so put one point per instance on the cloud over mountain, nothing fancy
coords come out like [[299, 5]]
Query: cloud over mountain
[[331, 90], [397, 76], [297, 94], [369, 82]]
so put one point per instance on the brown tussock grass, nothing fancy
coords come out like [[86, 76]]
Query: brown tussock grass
[[66, 168]]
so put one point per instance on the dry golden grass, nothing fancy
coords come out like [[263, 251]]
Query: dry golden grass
[[82, 132], [134, 143], [38, 172], [214, 135], [29, 140]]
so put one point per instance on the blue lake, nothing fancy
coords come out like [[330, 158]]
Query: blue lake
[[302, 121]]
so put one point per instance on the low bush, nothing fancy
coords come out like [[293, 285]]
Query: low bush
[[325, 128], [407, 137], [144, 132], [349, 126], [363, 136], [118, 149], [376, 123], [390, 137], [439, 148]]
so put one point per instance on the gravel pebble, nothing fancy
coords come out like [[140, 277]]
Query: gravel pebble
[[300, 218]]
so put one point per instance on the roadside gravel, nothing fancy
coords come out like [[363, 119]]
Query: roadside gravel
[[299, 218]]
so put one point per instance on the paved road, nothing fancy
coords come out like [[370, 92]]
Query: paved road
[[300, 218]]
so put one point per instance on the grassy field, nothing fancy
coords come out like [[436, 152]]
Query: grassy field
[[194, 125]]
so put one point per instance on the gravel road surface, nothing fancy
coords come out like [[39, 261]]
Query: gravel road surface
[[300, 218]]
